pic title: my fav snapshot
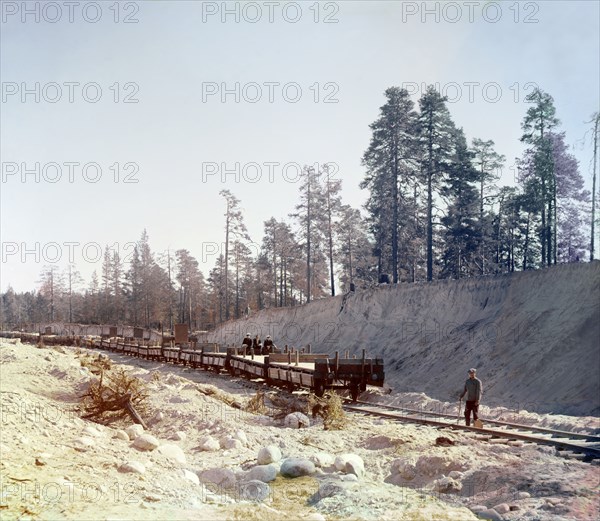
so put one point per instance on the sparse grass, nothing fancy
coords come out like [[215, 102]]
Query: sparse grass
[[291, 495], [288, 500], [256, 404], [330, 409], [155, 377], [96, 364]]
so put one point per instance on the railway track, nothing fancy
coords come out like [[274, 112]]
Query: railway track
[[583, 446]]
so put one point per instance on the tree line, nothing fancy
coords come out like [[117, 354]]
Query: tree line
[[434, 210]]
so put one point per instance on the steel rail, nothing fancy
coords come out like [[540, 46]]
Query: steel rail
[[589, 452], [518, 426]]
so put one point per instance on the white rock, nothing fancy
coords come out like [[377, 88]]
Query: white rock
[[190, 476], [489, 514], [121, 435], [523, 495], [502, 508], [146, 442], [179, 436], [133, 431], [173, 452], [350, 464], [322, 459], [157, 418], [296, 420], [241, 435], [268, 454], [83, 443], [209, 443], [91, 431], [315, 516], [132, 466], [477, 508], [227, 442]]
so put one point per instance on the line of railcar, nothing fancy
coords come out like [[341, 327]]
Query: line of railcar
[[292, 369]]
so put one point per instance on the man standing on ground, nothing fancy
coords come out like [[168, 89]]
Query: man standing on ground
[[474, 390]]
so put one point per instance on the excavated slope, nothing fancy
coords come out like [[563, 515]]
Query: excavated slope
[[533, 336]]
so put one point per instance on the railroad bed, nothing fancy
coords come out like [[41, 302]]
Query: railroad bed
[[583, 446]]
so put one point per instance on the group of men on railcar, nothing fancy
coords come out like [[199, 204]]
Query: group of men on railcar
[[260, 348]]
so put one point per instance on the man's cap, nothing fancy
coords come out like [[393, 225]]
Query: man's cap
[[472, 370], [268, 336], [247, 334]]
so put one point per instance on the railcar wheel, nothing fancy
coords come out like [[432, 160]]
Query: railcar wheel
[[354, 391], [319, 389]]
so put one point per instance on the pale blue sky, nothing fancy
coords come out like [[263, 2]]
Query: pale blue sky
[[171, 132]]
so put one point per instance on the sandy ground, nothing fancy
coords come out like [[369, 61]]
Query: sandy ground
[[55, 465]]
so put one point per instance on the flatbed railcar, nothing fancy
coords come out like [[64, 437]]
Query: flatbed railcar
[[291, 370]]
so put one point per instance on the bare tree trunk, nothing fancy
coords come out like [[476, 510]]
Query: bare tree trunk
[[594, 185]]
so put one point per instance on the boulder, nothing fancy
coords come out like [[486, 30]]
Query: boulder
[[350, 464], [209, 443], [322, 459], [222, 478], [254, 490], [121, 435], [489, 514], [157, 418], [133, 431], [268, 454], [296, 467], [228, 442], [264, 473], [502, 508], [84, 442], [477, 508], [172, 452], [146, 442], [296, 420], [179, 436], [190, 476], [241, 435], [132, 466], [91, 431]]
